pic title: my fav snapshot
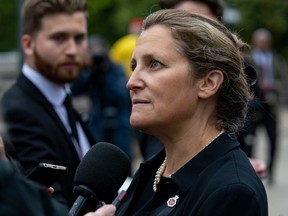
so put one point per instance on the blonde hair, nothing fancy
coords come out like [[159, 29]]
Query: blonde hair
[[208, 45]]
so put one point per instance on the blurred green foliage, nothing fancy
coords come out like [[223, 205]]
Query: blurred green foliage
[[110, 19], [8, 25], [270, 14]]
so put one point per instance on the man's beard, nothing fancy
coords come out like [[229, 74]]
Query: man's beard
[[52, 72]]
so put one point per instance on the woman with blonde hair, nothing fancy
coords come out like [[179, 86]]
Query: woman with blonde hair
[[188, 89]]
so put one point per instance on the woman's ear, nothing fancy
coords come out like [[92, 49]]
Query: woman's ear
[[210, 84], [27, 45]]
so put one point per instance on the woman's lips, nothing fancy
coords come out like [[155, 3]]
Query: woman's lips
[[140, 101]]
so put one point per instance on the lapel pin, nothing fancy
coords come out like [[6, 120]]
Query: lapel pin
[[172, 201]]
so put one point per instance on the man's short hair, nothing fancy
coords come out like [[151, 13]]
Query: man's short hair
[[34, 10]]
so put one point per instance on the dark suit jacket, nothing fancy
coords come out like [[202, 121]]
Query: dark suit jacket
[[21, 197], [38, 134], [219, 181]]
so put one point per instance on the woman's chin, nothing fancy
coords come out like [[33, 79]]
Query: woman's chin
[[137, 123]]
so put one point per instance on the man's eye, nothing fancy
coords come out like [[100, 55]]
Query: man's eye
[[58, 38], [79, 38]]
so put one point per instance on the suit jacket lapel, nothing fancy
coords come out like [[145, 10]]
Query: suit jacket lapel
[[27, 86]]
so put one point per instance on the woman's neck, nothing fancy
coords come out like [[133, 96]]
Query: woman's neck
[[183, 150]]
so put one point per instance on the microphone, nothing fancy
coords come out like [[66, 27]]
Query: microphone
[[98, 177]]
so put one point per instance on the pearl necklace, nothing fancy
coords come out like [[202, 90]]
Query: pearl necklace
[[162, 167]]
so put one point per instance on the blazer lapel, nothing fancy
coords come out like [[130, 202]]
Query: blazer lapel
[[27, 86]]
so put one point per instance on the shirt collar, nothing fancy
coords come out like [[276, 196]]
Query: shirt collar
[[54, 93], [186, 176]]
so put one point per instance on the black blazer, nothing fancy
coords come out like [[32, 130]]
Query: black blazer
[[21, 197], [219, 181], [39, 135]]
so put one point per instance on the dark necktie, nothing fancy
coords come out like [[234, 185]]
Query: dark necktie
[[71, 116]]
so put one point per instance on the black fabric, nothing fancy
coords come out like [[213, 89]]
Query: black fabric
[[21, 197], [157, 205], [71, 116], [218, 181], [38, 134]]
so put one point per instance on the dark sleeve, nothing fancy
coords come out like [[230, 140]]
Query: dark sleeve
[[26, 133], [20, 197], [32, 141], [12, 155], [236, 200]]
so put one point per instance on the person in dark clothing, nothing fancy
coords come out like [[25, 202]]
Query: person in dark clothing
[[41, 123], [189, 90], [19, 196], [150, 145]]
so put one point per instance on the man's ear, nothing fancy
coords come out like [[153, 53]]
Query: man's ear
[[210, 84], [27, 44]]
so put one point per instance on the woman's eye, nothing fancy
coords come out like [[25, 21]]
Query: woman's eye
[[155, 64], [132, 65]]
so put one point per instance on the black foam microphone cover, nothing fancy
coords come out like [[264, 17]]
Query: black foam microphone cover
[[103, 169]]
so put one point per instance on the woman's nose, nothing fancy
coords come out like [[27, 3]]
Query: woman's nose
[[135, 81]]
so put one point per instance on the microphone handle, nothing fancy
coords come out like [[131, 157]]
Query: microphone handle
[[85, 202], [119, 199], [82, 205], [77, 206], [116, 202]]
